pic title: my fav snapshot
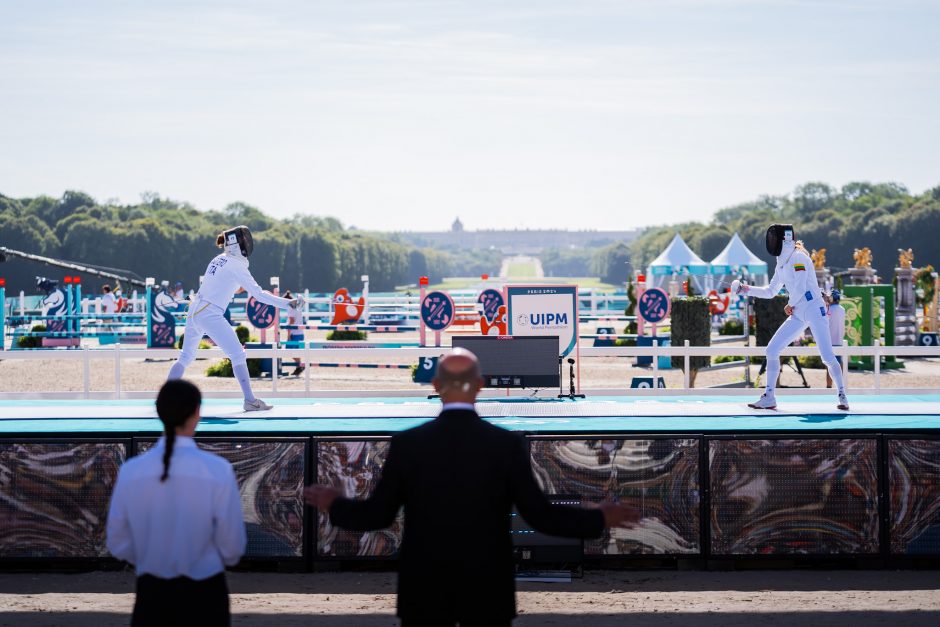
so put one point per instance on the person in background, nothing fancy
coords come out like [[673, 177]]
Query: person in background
[[109, 304], [179, 296], [458, 477], [176, 515], [295, 316], [835, 313]]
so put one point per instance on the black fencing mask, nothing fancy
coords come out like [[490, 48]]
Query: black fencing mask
[[241, 236], [776, 235]]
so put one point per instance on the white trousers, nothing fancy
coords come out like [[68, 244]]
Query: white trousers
[[208, 319], [788, 333]]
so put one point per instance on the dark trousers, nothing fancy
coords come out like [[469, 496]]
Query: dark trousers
[[181, 601], [480, 622]]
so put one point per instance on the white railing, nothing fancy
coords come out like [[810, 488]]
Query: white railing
[[117, 355]]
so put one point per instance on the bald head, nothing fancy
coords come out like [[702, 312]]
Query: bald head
[[458, 379]]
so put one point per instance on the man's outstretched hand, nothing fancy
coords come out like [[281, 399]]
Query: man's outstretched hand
[[320, 496], [618, 515]]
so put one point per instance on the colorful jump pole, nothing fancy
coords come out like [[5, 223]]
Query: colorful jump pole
[[422, 332]]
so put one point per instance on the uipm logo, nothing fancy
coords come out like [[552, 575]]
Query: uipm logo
[[547, 319]]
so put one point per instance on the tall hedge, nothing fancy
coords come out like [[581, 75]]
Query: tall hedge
[[768, 316], [690, 320]]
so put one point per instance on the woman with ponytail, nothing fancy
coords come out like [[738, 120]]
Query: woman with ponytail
[[176, 516]]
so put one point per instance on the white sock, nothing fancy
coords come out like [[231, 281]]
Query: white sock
[[244, 380]]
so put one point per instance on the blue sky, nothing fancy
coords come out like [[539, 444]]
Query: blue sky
[[403, 114]]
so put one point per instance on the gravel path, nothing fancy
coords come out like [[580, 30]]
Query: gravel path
[[600, 599]]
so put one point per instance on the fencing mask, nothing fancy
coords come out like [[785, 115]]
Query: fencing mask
[[238, 238], [777, 234]]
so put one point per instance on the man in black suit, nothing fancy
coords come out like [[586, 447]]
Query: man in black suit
[[458, 477]]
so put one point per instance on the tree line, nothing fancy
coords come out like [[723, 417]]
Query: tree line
[[174, 241], [882, 216]]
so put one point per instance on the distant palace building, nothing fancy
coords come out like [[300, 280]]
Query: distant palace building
[[520, 241]]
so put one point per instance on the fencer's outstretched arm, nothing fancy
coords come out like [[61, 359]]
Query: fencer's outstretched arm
[[251, 286], [767, 291]]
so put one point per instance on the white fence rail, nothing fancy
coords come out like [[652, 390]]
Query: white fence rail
[[118, 355]]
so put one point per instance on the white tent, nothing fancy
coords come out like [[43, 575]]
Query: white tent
[[736, 259], [678, 261]]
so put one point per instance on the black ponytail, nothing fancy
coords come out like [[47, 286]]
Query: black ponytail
[[177, 402], [168, 453]]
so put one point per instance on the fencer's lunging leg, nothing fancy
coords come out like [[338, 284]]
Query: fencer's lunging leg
[[191, 338]]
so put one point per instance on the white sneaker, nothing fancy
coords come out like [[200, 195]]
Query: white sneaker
[[843, 402], [256, 405], [766, 401]]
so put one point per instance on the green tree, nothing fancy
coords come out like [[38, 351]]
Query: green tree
[[611, 263]]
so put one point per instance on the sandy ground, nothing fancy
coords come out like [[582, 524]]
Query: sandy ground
[[601, 598], [595, 372]]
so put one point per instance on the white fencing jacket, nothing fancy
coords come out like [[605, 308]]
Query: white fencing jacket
[[225, 274], [796, 273]]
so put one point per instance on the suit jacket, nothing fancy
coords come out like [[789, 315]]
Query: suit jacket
[[458, 477]]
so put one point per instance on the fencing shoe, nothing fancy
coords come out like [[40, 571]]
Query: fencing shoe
[[256, 405], [843, 402], [766, 401]]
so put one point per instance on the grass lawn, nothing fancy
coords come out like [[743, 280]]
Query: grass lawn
[[521, 269]]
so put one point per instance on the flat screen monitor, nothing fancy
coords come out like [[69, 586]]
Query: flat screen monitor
[[508, 361], [535, 550]]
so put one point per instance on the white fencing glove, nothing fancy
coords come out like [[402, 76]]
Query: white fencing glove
[[738, 287]]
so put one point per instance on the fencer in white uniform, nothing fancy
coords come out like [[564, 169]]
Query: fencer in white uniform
[[806, 308], [226, 273]]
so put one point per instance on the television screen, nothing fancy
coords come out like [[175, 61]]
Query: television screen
[[515, 361], [270, 475], [54, 497], [914, 492], [533, 549], [797, 497], [658, 476], [524, 534]]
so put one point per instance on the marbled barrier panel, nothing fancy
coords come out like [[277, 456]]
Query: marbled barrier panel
[[794, 497], [270, 476], [354, 467], [54, 497], [658, 476], [914, 490]]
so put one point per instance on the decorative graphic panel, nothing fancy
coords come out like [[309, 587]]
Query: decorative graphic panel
[[771, 497], [354, 467], [270, 478], [54, 498], [914, 491], [660, 477]]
